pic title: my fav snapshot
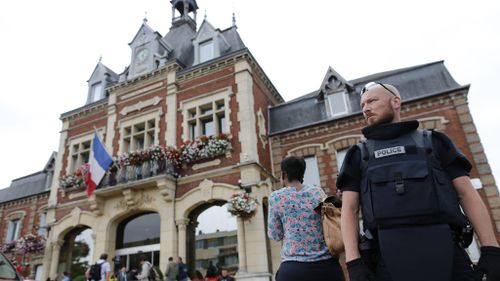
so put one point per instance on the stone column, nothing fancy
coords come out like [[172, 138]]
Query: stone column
[[56, 251], [182, 226], [242, 253]]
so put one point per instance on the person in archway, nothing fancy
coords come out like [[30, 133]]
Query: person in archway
[[212, 273], [182, 275], [172, 270], [225, 276], [292, 218], [145, 268], [101, 270]]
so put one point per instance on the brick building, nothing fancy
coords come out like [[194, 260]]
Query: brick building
[[195, 82], [23, 211]]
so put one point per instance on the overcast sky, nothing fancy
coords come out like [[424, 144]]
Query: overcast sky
[[49, 49]]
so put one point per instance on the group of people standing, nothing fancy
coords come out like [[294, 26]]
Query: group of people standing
[[417, 204]]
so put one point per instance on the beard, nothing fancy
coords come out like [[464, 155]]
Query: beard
[[386, 117]]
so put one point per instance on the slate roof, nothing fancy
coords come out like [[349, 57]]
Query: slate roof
[[28, 185], [412, 82]]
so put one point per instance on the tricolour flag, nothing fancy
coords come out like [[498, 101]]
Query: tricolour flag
[[99, 162]]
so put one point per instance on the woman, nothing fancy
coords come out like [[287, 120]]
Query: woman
[[292, 218]]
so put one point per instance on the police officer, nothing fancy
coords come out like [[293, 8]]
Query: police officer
[[410, 185]]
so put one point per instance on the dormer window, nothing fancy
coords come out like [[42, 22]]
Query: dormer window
[[338, 103], [96, 92], [207, 50]]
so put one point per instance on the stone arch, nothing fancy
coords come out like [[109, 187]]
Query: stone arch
[[306, 149], [206, 192], [70, 251]]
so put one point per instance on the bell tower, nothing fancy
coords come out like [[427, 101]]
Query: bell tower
[[187, 10]]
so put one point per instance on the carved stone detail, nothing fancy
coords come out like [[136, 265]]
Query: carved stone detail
[[140, 105], [214, 162], [206, 187]]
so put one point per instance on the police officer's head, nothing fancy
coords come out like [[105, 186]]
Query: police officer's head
[[380, 103], [292, 169]]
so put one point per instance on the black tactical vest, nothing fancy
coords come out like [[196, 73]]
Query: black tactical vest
[[404, 184]]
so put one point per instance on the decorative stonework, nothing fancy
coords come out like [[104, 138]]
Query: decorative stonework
[[206, 187], [133, 199], [434, 122], [142, 91], [214, 162], [140, 105], [261, 126]]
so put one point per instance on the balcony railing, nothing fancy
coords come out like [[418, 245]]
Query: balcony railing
[[144, 170]]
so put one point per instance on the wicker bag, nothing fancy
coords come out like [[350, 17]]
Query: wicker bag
[[330, 219]]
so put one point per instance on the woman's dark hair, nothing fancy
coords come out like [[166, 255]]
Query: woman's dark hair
[[293, 168]]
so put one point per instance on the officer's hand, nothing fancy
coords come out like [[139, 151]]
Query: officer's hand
[[358, 271], [489, 262]]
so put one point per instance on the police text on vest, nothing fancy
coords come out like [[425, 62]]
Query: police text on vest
[[389, 151]]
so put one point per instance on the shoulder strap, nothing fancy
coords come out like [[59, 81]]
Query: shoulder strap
[[366, 149], [423, 138]]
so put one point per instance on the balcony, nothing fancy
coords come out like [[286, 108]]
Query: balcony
[[141, 171]]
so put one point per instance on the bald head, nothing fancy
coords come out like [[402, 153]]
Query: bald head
[[380, 103], [382, 87]]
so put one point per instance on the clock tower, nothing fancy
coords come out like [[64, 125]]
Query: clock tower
[[149, 51]]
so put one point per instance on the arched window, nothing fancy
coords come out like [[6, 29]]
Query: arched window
[[138, 235], [139, 230]]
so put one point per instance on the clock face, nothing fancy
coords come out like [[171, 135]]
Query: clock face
[[141, 56]]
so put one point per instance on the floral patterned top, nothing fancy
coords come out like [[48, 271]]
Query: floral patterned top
[[292, 219]]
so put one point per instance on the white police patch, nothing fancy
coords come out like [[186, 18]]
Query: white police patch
[[389, 151]]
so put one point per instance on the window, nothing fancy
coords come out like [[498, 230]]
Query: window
[[13, 230], [140, 230], [80, 153], [311, 176], [338, 103], [206, 50], [207, 119], [138, 136], [96, 92], [41, 225], [340, 157]]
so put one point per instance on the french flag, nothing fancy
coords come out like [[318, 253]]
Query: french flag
[[99, 163]]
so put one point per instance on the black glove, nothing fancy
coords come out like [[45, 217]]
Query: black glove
[[489, 263], [358, 271]]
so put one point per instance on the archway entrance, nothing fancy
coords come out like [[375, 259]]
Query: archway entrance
[[212, 240], [138, 235], [76, 252]]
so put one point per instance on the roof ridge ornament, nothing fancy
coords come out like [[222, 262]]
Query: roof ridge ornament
[[145, 20]]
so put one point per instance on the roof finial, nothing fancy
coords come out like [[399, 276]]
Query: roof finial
[[205, 16], [100, 58], [145, 20], [234, 17]]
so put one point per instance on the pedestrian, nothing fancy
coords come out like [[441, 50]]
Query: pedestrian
[[304, 254], [182, 274], [123, 274], [172, 270], [101, 270], [145, 268], [225, 276], [212, 273], [113, 277], [410, 185], [66, 276]]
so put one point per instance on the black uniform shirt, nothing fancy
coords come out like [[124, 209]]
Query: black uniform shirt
[[454, 162]]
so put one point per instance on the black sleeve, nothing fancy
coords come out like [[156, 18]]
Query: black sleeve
[[349, 177], [453, 161]]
